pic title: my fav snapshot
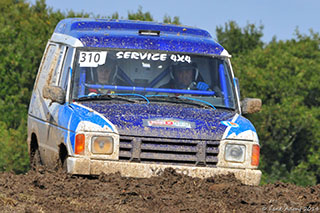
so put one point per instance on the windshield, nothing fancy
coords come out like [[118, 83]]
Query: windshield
[[151, 74]]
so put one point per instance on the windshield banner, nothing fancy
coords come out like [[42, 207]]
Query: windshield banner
[[153, 56]]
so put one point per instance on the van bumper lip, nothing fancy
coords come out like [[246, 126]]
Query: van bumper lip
[[86, 166]]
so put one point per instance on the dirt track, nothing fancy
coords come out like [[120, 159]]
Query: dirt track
[[51, 191]]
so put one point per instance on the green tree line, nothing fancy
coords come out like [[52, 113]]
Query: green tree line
[[284, 74]]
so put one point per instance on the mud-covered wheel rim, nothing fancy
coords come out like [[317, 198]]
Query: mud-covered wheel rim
[[35, 160]]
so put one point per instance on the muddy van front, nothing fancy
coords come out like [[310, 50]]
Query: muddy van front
[[141, 140], [138, 97]]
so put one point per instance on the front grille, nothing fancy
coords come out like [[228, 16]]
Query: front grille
[[169, 151]]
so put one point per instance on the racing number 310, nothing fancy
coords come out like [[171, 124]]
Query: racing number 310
[[92, 59], [89, 57]]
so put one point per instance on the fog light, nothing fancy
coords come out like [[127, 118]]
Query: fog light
[[102, 145], [79, 144], [235, 152]]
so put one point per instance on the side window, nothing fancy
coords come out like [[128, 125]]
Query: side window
[[58, 68], [49, 64]]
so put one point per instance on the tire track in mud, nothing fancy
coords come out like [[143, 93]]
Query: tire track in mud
[[55, 191]]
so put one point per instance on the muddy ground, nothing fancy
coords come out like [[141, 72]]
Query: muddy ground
[[55, 191]]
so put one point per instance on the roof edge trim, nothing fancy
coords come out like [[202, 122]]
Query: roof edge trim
[[225, 53], [66, 39]]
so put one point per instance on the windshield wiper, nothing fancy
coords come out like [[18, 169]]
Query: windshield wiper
[[132, 94], [181, 99], [197, 101], [103, 97], [112, 97]]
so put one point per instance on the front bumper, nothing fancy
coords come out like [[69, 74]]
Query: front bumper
[[87, 166]]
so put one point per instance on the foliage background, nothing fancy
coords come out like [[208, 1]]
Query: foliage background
[[284, 74]]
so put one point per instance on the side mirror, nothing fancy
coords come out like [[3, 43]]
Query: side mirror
[[54, 93], [251, 105]]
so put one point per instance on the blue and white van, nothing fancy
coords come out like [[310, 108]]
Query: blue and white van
[[139, 97]]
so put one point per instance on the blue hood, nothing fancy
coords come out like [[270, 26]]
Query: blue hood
[[164, 120]]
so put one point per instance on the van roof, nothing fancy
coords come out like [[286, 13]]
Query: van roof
[[88, 32]]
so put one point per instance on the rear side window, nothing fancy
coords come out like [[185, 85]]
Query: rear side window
[[58, 67], [65, 73], [48, 66]]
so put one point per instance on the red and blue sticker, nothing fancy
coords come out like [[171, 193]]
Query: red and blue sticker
[[230, 124], [168, 122]]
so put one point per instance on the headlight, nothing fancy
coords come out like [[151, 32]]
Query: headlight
[[102, 145], [235, 152]]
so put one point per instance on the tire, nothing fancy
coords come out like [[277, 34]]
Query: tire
[[65, 165], [35, 160], [63, 156]]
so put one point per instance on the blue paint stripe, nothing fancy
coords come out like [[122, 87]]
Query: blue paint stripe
[[244, 125], [92, 116]]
